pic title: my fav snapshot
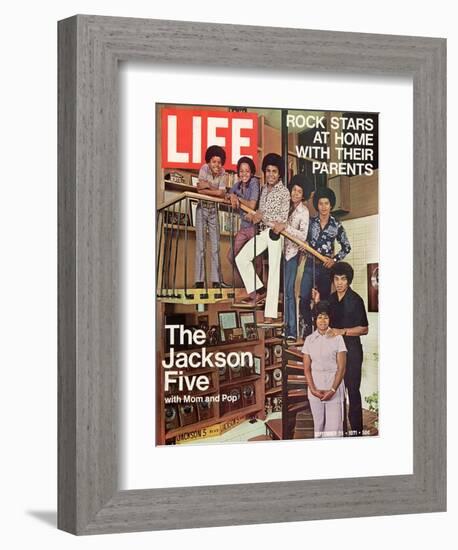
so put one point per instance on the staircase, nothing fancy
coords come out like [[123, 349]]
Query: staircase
[[175, 284], [296, 421]]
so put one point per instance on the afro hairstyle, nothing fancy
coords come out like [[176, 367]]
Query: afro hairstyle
[[342, 268], [304, 182], [272, 159], [324, 193], [215, 151], [249, 161]]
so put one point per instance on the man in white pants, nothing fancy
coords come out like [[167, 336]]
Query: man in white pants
[[273, 210]]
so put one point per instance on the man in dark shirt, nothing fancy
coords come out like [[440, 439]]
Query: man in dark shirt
[[348, 319]]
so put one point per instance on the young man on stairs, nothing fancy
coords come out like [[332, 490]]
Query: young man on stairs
[[272, 213]]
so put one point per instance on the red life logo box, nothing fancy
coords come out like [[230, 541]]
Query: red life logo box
[[187, 133]]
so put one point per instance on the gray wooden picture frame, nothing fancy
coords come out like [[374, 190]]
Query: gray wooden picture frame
[[90, 49]]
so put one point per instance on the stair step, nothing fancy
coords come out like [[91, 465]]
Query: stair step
[[299, 392], [275, 428], [308, 433], [296, 378], [295, 370], [304, 428], [293, 354], [278, 324], [297, 407]]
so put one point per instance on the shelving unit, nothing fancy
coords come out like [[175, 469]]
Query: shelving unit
[[180, 187], [210, 391], [227, 347], [172, 434], [273, 367], [234, 414], [218, 388], [242, 380], [273, 341]]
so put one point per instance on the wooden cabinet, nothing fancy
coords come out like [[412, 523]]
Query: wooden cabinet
[[235, 393]]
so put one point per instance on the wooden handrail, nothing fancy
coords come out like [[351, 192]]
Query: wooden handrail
[[187, 194], [190, 195]]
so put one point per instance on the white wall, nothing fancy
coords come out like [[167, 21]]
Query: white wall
[[28, 275]]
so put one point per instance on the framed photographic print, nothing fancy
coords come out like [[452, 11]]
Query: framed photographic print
[[251, 331], [202, 321], [227, 335], [175, 218], [175, 177], [227, 322], [213, 335], [111, 87], [248, 324], [372, 286], [257, 365]]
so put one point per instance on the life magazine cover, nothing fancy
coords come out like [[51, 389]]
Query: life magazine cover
[[267, 274]]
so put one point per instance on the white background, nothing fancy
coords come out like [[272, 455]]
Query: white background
[[28, 277], [143, 465]]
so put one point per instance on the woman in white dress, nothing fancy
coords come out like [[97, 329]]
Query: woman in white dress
[[324, 357]]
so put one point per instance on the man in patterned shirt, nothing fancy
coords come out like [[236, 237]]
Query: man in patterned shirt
[[273, 211], [323, 231], [297, 225]]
